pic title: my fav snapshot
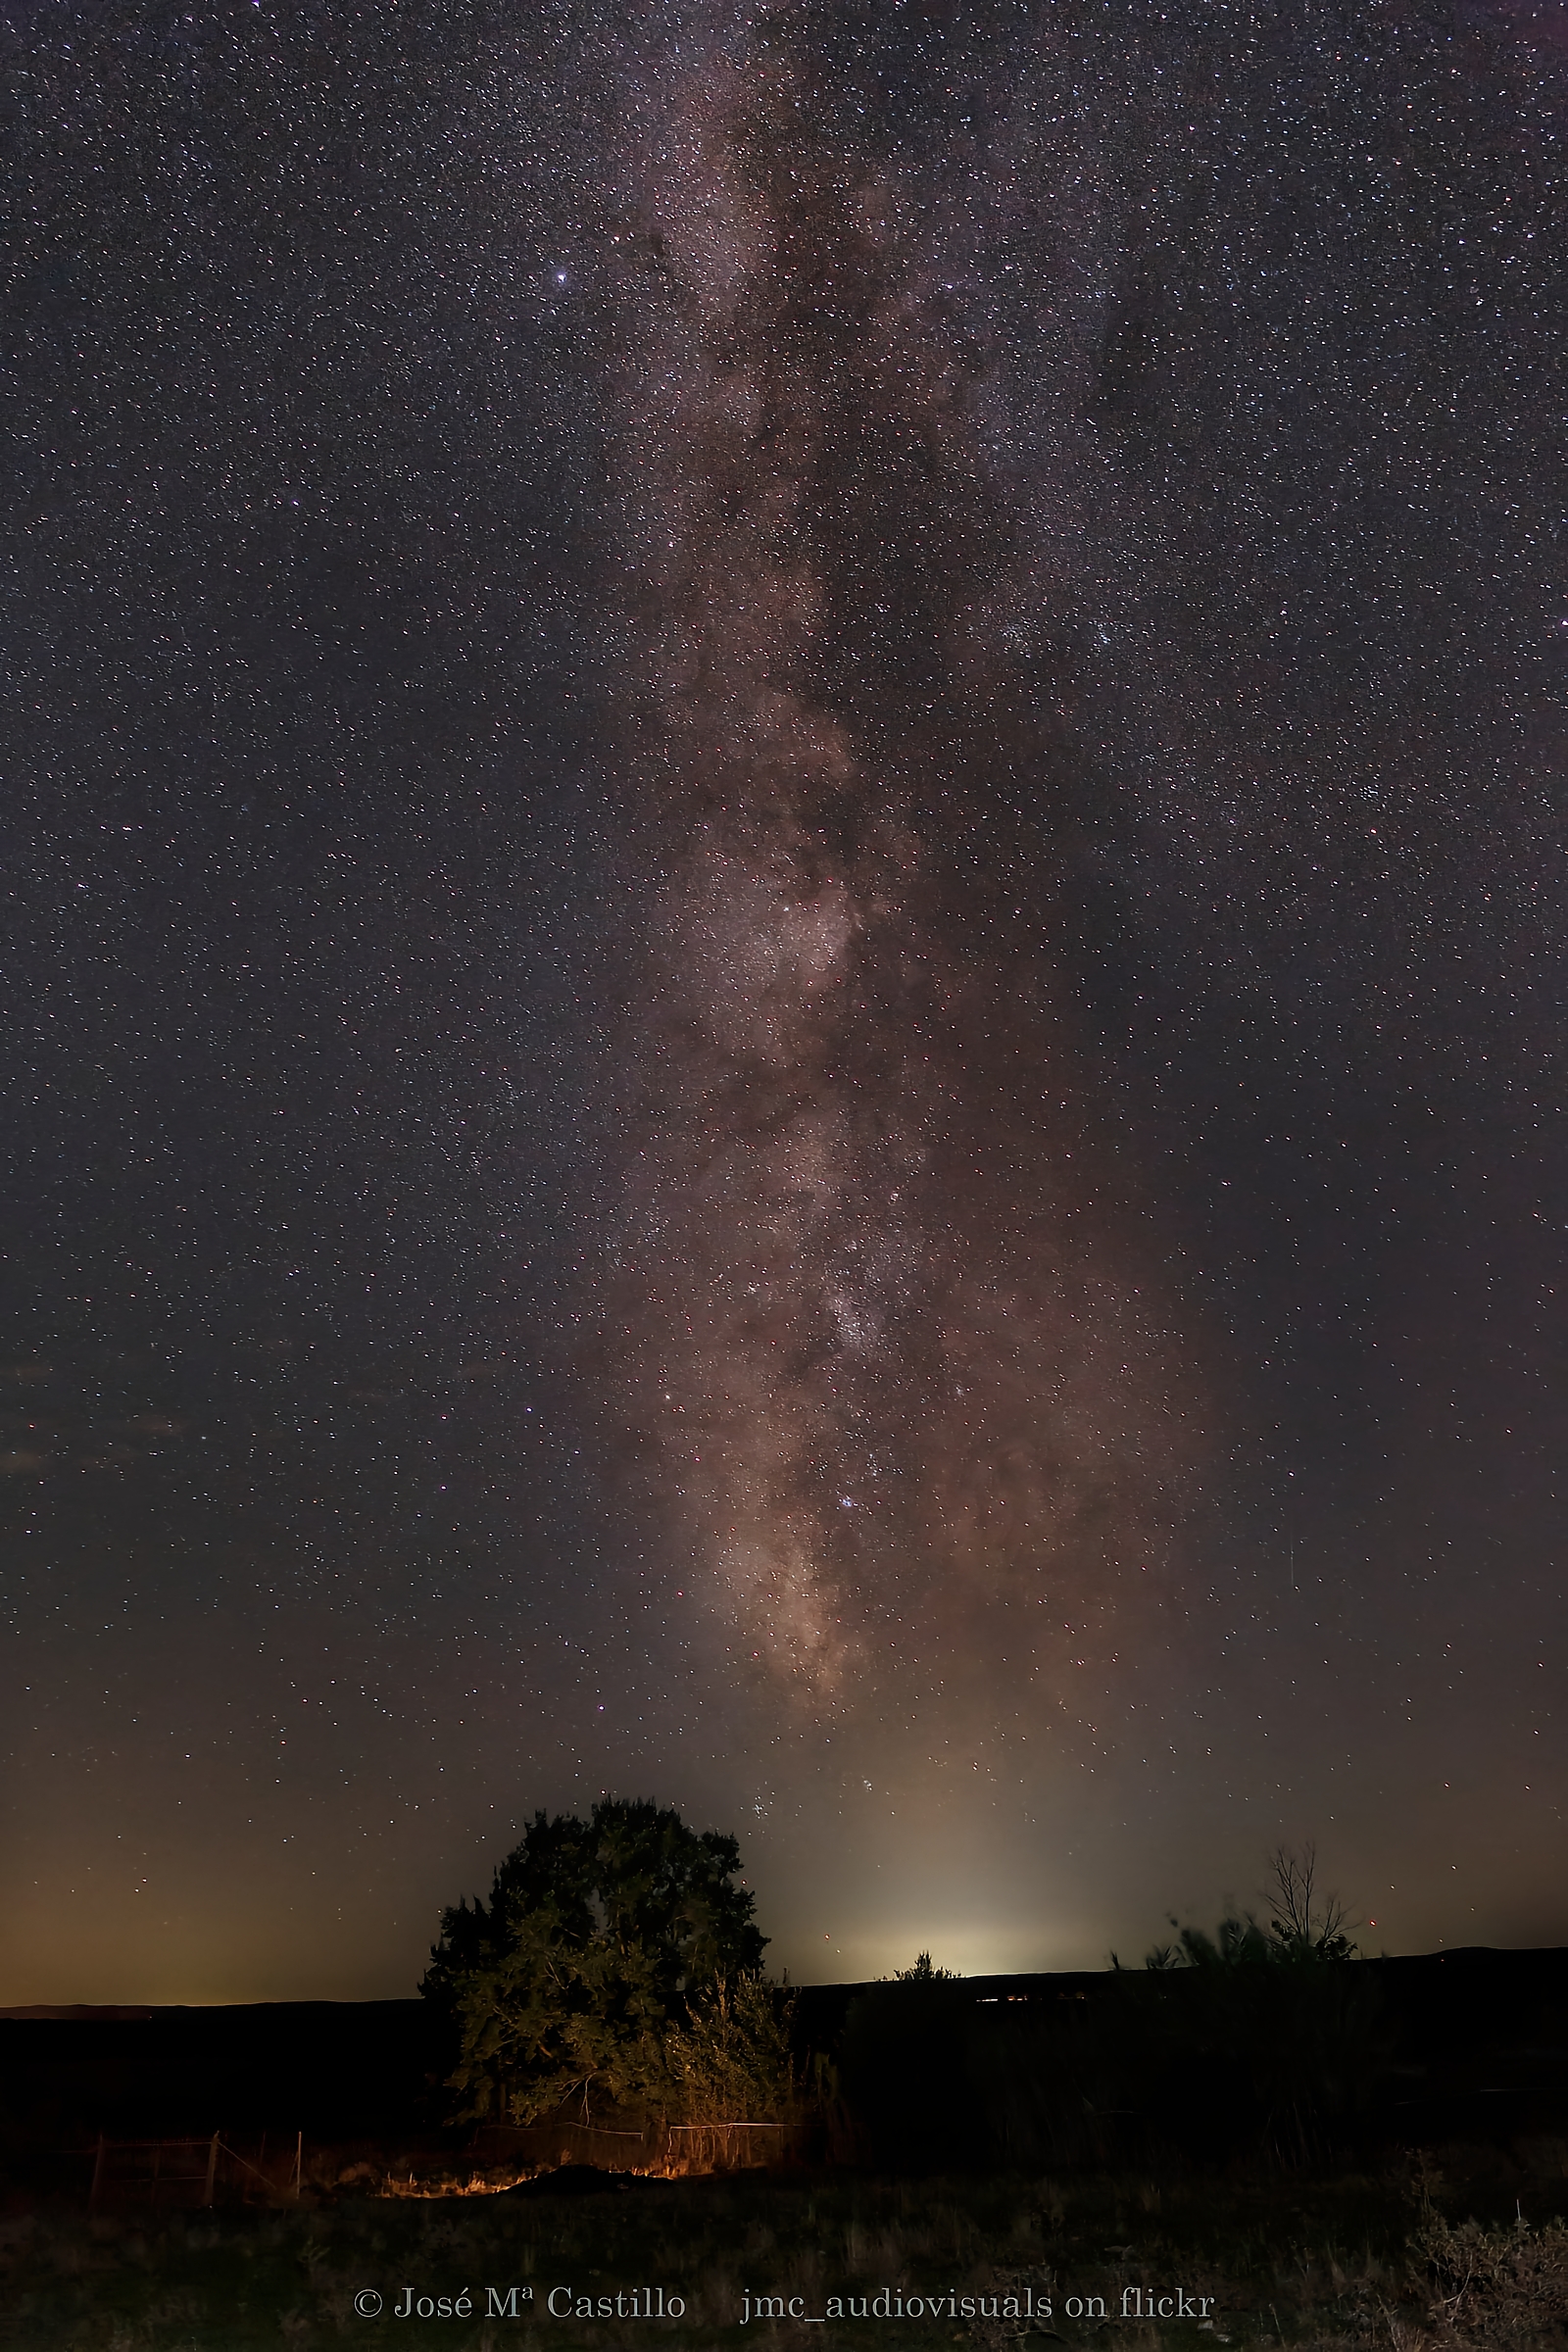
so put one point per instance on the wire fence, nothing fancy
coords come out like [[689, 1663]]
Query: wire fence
[[191, 2172], [663, 2148], [196, 2172], [723, 2147]]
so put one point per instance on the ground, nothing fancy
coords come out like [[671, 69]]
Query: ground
[[1340, 2263]]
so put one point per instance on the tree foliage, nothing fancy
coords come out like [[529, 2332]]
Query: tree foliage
[[596, 1937], [731, 2064]]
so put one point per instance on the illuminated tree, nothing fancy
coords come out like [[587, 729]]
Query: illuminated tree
[[596, 1937], [731, 2062]]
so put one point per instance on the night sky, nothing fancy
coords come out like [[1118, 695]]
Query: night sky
[[784, 945]]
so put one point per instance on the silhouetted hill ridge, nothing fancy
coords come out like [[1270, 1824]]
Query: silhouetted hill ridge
[[344, 2070]]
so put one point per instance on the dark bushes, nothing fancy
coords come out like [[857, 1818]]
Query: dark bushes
[[1248, 2046]]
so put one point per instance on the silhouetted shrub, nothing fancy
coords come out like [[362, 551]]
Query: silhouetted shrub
[[1250, 2040], [1245, 2042]]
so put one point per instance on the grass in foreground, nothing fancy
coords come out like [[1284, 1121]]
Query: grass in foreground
[[1350, 2264]]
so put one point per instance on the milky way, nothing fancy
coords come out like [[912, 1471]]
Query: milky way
[[787, 937], [879, 1314]]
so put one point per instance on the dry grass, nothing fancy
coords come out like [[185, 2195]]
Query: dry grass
[[1346, 2264]]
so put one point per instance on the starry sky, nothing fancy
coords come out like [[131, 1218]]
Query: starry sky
[[784, 913]]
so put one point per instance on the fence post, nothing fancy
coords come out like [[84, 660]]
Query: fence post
[[212, 2169], [97, 2175]]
